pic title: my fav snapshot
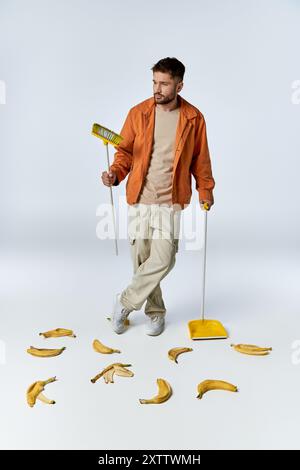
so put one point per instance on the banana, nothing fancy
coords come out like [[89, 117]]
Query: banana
[[100, 348], [174, 353], [208, 385], [127, 322], [44, 352], [35, 390], [251, 349], [109, 371], [58, 332], [164, 393]]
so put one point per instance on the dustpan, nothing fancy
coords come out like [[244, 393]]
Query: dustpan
[[203, 328]]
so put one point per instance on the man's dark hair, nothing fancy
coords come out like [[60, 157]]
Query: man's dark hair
[[170, 65]]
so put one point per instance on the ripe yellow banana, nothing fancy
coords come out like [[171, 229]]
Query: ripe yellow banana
[[109, 371], [174, 353], [58, 332], [101, 348], [164, 393], [208, 385], [35, 390], [44, 352], [251, 349]]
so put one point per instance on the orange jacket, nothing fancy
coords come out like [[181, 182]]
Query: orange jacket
[[191, 153]]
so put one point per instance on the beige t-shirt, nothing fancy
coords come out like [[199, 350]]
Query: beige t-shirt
[[157, 188]]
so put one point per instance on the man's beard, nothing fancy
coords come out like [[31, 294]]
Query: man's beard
[[165, 100]]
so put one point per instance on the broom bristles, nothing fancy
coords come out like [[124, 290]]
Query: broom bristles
[[107, 134]]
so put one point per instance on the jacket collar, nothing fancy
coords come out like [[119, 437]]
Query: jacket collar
[[187, 109]]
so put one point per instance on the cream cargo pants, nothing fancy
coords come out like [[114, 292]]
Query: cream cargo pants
[[153, 232]]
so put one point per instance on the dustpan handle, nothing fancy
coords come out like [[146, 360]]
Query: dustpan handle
[[204, 259]]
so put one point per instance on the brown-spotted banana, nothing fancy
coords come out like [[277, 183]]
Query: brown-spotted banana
[[57, 333], [101, 348], [251, 349], [208, 385], [35, 390], [116, 368], [164, 393], [44, 352], [174, 353]]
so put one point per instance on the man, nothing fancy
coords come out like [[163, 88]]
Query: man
[[164, 144]]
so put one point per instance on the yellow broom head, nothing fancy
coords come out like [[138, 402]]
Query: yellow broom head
[[108, 136]]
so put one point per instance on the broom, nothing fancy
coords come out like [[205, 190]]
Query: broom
[[108, 137]]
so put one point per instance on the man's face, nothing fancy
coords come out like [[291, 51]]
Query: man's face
[[165, 88]]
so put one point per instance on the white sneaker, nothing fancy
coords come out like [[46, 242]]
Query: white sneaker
[[119, 315], [155, 324]]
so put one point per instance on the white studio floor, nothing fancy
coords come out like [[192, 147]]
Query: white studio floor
[[256, 298]]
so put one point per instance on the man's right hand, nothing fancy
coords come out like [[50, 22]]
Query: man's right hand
[[108, 178]]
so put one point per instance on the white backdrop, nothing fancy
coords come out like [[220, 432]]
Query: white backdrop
[[66, 64]]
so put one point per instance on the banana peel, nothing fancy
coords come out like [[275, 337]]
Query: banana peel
[[57, 333], [34, 392], [251, 349], [116, 368]]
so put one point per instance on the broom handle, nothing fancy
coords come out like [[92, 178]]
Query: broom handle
[[204, 264], [112, 202]]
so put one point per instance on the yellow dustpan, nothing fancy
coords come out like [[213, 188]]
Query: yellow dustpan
[[202, 328]]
